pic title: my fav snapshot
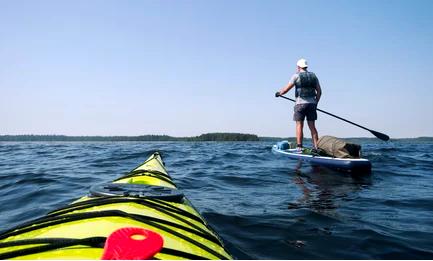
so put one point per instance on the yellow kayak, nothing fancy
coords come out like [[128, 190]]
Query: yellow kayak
[[144, 200]]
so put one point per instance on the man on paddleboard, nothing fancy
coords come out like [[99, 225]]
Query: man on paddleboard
[[307, 93]]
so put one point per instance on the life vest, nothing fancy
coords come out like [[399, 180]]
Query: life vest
[[306, 85]]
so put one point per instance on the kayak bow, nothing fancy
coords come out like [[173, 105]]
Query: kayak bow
[[144, 200]]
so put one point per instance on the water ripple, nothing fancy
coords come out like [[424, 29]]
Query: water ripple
[[264, 207]]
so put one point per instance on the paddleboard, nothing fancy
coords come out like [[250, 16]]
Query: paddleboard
[[341, 164]]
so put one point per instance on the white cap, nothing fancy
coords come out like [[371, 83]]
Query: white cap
[[302, 63]]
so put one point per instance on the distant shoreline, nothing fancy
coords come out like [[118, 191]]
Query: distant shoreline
[[202, 137]]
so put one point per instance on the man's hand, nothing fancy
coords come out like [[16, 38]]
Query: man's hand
[[277, 94]]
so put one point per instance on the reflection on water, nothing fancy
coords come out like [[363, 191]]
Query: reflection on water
[[323, 189]]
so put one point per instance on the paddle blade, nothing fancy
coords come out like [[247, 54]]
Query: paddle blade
[[380, 135]]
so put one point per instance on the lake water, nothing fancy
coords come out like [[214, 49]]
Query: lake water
[[263, 206]]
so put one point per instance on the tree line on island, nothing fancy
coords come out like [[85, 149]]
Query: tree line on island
[[203, 137], [217, 136]]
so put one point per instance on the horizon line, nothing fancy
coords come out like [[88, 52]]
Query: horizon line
[[259, 136]]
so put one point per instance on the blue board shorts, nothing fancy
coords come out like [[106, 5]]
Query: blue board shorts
[[305, 110]]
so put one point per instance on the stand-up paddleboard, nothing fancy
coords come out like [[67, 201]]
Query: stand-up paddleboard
[[342, 164]]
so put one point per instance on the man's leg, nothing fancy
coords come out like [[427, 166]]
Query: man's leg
[[299, 132], [314, 134]]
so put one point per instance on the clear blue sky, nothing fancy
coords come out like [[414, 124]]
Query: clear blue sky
[[183, 68]]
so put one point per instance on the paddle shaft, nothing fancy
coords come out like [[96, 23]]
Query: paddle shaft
[[375, 133]]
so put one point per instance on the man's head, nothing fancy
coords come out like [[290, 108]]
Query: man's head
[[302, 64]]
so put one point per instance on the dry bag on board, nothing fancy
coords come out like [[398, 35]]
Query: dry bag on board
[[339, 148]]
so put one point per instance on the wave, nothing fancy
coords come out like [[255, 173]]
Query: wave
[[263, 207]]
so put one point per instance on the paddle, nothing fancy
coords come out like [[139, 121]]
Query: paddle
[[375, 133]]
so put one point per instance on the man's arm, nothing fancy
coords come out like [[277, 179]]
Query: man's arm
[[287, 88], [318, 92]]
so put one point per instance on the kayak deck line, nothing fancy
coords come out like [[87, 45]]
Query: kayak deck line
[[145, 199]]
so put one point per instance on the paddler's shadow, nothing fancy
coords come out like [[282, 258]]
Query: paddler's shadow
[[324, 190]]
